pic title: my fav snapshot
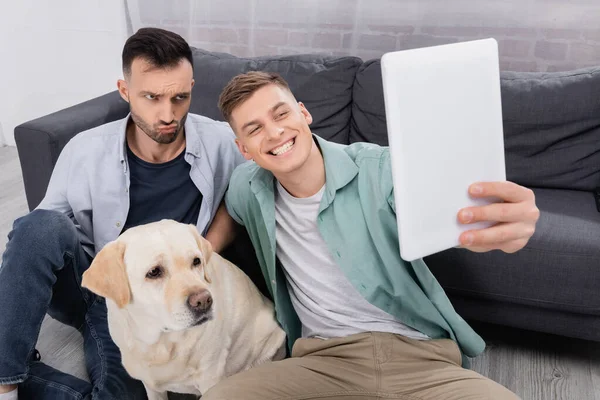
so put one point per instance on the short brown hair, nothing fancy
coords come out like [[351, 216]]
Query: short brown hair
[[243, 86], [159, 47]]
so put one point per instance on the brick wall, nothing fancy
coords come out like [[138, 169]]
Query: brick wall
[[534, 35]]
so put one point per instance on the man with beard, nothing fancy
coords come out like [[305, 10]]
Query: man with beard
[[158, 162]]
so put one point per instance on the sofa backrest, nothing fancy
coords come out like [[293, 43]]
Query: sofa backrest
[[551, 124], [552, 128], [323, 83], [551, 120], [368, 109]]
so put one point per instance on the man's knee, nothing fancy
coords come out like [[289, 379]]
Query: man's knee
[[497, 391], [483, 388], [41, 227]]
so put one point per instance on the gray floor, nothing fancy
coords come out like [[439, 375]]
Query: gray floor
[[533, 365]]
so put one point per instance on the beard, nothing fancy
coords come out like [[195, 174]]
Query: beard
[[152, 131]]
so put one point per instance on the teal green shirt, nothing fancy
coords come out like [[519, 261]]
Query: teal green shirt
[[357, 220]]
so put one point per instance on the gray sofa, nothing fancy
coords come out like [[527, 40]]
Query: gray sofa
[[552, 136]]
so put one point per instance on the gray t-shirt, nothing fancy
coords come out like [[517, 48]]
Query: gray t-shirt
[[324, 299]]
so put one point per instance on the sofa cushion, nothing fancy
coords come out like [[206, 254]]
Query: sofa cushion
[[551, 124], [322, 83], [558, 269], [552, 128], [368, 108]]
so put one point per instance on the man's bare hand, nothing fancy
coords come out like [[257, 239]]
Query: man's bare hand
[[515, 218]]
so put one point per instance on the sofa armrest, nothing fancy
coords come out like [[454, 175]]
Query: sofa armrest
[[40, 141]]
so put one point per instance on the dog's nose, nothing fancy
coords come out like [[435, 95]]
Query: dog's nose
[[200, 301]]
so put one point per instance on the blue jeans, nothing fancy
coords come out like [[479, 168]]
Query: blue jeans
[[41, 273]]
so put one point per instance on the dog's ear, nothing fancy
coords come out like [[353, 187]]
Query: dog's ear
[[206, 249], [107, 276]]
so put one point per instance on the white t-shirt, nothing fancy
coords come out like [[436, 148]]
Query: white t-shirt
[[325, 300]]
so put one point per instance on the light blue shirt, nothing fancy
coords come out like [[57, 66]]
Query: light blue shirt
[[90, 181]]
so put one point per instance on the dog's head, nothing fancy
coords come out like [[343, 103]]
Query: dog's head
[[158, 271]]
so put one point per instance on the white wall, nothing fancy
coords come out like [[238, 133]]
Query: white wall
[[54, 54]]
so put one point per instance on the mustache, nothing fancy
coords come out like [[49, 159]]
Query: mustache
[[177, 122], [163, 124]]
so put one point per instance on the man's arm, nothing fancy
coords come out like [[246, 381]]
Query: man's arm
[[222, 230], [56, 193], [227, 221]]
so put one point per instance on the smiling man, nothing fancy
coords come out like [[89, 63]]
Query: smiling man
[[363, 323], [160, 162]]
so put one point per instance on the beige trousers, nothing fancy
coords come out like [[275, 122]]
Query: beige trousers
[[363, 366]]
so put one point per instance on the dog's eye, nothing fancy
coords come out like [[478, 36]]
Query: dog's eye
[[197, 261], [154, 273]]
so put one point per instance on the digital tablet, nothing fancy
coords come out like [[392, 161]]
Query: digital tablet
[[444, 121]]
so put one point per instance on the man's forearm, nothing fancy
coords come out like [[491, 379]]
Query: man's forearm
[[222, 231]]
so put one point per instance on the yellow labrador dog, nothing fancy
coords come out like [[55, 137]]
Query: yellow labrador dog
[[182, 316]]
